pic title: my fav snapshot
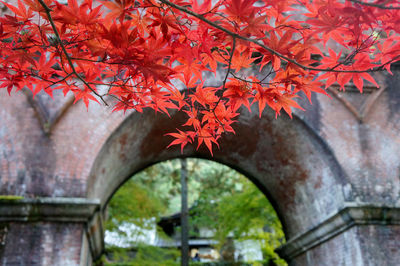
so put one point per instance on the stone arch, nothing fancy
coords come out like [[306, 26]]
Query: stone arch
[[332, 176], [330, 193], [283, 157]]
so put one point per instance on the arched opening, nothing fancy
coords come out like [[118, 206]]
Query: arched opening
[[231, 220], [284, 158]]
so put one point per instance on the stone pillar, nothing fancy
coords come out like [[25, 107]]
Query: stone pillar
[[358, 234], [49, 231]]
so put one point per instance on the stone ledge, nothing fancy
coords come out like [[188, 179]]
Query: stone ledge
[[350, 215], [48, 209], [81, 210]]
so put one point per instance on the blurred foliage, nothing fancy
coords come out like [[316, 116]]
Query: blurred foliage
[[145, 256], [221, 199], [134, 203], [242, 214]]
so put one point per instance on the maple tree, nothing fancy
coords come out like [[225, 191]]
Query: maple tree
[[138, 54]]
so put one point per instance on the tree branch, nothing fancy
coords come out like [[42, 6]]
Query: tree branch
[[48, 10], [374, 5], [272, 51]]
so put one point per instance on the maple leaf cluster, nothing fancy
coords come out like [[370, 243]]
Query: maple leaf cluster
[[141, 54]]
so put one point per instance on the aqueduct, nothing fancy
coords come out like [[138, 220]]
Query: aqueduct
[[332, 173]]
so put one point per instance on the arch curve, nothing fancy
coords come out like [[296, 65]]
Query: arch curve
[[283, 157]]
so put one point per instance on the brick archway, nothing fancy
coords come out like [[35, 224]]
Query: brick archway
[[332, 173], [282, 157]]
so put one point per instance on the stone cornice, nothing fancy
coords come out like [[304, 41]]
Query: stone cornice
[[350, 215], [48, 209], [75, 210]]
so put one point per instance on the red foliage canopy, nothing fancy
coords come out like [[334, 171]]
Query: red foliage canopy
[[140, 54]]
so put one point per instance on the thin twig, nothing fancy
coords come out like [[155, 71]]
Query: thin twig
[[224, 82], [253, 82], [229, 64]]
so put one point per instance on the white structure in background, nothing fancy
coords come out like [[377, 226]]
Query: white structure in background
[[246, 250], [132, 234]]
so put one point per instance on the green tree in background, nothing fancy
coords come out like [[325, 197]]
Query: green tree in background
[[221, 199], [134, 203], [245, 214]]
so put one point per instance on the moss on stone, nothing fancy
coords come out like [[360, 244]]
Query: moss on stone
[[10, 197]]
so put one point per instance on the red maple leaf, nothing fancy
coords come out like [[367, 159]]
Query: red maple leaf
[[181, 138]]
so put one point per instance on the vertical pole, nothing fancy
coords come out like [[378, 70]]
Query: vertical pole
[[184, 215]]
